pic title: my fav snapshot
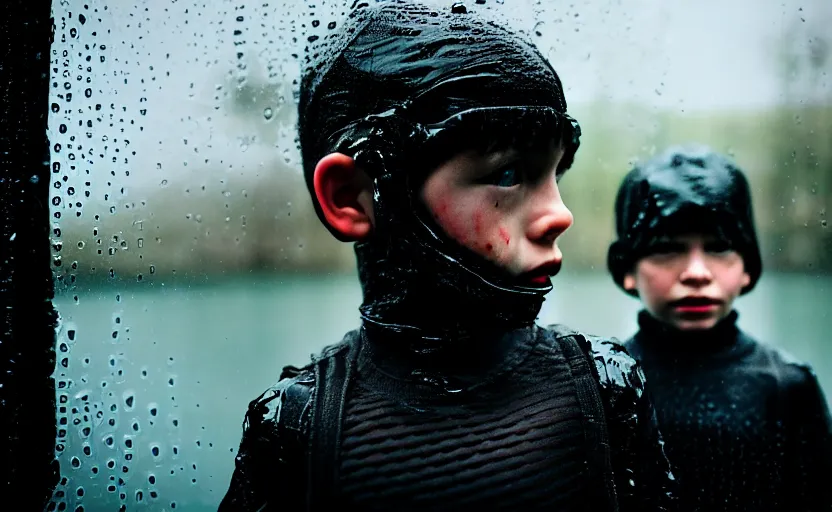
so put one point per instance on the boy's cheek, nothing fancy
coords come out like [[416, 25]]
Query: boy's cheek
[[477, 225], [447, 219]]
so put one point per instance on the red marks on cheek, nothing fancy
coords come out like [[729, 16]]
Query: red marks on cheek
[[478, 230], [478, 222], [441, 208], [504, 235]]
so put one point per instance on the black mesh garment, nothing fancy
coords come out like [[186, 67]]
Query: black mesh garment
[[506, 431], [745, 428]]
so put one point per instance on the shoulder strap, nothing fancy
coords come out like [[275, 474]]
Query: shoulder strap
[[333, 371], [595, 424]]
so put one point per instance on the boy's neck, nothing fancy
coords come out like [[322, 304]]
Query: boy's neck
[[439, 354], [398, 362], [665, 337], [416, 295]]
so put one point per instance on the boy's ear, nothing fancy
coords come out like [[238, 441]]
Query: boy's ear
[[629, 282], [345, 194], [746, 279]]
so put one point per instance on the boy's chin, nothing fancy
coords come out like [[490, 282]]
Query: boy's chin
[[691, 323]]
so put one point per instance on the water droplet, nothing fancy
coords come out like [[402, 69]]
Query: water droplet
[[268, 113]]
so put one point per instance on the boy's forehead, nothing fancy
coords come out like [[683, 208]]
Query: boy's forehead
[[690, 237], [692, 230]]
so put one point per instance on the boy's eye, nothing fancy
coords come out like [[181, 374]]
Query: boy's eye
[[504, 178]]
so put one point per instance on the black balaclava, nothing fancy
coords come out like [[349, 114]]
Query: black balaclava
[[686, 189], [401, 88]]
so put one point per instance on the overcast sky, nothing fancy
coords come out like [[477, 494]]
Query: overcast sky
[[165, 63]]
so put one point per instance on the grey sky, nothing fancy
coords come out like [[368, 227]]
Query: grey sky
[[176, 56]]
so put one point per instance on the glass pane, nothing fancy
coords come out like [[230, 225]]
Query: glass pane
[[189, 263]]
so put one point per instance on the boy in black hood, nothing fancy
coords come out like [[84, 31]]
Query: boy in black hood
[[745, 427], [434, 139]]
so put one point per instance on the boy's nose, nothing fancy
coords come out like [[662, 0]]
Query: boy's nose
[[696, 271], [552, 216]]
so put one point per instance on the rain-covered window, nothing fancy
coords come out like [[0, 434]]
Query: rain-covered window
[[190, 266]]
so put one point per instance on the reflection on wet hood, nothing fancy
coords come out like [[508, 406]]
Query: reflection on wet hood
[[686, 189], [402, 87]]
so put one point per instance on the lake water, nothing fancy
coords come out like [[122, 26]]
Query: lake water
[[166, 372]]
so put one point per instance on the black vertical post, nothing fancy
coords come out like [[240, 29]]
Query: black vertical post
[[28, 469]]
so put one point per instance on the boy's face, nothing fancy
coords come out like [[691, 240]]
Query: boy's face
[[689, 281], [504, 206]]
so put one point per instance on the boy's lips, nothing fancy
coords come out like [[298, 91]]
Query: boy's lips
[[696, 304], [541, 274]]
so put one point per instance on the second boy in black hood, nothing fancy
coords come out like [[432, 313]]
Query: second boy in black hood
[[745, 427]]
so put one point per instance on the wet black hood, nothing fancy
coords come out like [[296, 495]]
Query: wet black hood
[[685, 189], [401, 88]]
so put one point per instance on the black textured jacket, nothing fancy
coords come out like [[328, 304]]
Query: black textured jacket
[[289, 455], [746, 427]]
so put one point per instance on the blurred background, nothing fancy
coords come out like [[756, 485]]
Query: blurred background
[[190, 266]]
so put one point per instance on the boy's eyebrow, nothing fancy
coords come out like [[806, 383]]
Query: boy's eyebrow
[[502, 156]]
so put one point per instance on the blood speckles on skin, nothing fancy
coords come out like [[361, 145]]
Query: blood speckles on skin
[[504, 235]]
